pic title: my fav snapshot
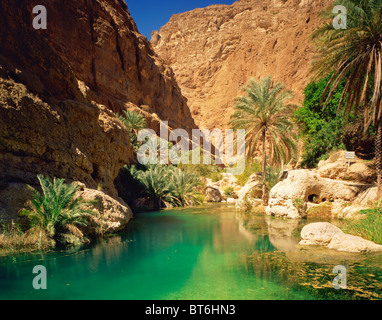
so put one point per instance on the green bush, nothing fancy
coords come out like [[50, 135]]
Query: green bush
[[211, 171], [216, 176], [168, 186], [228, 192], [321, 129]]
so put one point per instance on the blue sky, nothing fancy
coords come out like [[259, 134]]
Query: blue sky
[[151, 15]]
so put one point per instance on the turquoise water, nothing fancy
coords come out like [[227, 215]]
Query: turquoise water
[[201, 253]]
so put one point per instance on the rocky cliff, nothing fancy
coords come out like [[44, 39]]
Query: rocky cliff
[[60, 88], [214, 51]]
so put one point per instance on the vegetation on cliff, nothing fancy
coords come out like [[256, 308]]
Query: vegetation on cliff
[[133, 122], [165, 185]]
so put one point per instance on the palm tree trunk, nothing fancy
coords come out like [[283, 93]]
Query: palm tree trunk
[[378, 158], [265, 196]]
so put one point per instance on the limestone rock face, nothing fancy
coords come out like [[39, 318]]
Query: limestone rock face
[[13, 197], [91, 55], [67, 139], [60, 88], [337, 167], [368, 197], [326, 234], [215, 50], [306, 186], [101, 43]]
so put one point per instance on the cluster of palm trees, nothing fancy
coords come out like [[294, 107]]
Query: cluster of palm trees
[[354, 54], [167, 185]]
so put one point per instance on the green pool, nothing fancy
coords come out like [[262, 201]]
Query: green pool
[[204, 253]]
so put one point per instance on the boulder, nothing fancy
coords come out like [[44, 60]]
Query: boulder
[[350, 243], [114, 214], [212, 194], [330, 236], [253, 186], [320, 233], [367, 197], [337, 167]]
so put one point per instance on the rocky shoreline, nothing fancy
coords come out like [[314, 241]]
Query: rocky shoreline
[[337, 189]]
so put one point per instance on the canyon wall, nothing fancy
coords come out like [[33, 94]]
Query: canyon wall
[[214, 51], [61, 87]]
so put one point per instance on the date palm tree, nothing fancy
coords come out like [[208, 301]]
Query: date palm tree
[[265, 115], [184, 183], [355, 54], [156, 183], [58, 212]]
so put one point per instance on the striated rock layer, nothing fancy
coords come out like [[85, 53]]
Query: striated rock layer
[[101, 42], [60, 89], [214, 51]]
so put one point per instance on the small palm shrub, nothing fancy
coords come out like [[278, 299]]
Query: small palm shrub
[[155, 181], [167, 186], [184, 184], [57, 212], [133, 122]]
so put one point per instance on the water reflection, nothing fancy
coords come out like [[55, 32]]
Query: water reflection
[[209, 252], [309, 268]]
